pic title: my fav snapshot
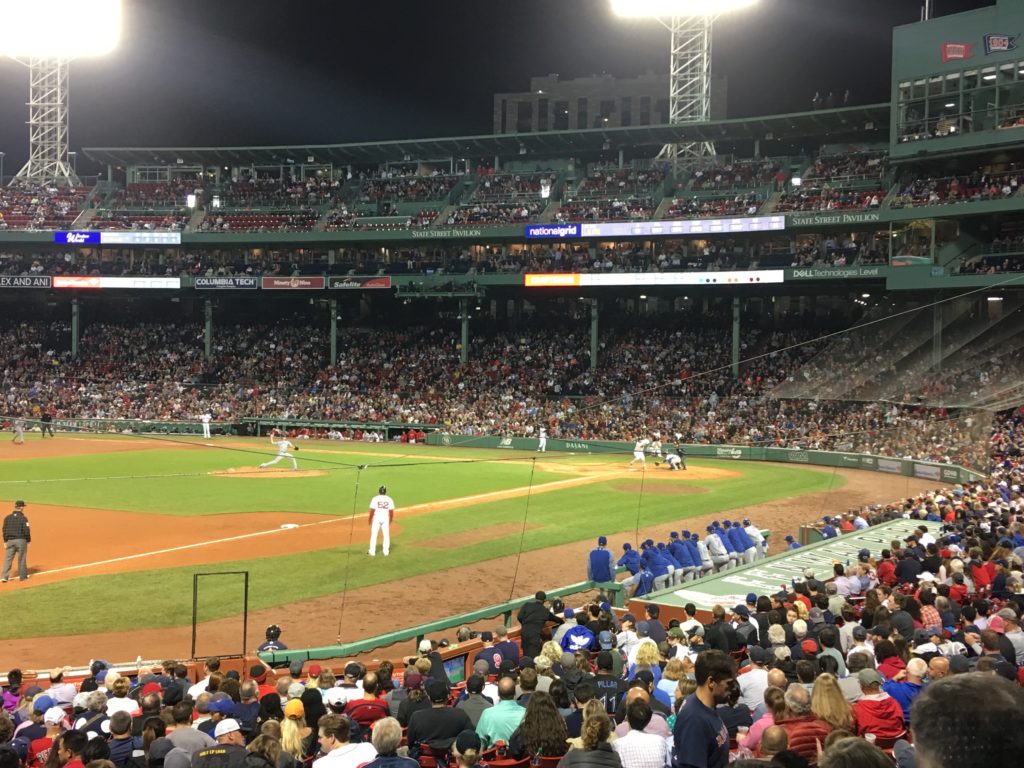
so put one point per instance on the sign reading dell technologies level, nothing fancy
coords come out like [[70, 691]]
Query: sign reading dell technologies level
[[557, 231], [117, 238]]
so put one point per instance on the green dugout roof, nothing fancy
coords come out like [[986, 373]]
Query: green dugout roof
[[766, 577]]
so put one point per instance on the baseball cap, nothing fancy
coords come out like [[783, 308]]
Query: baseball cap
[[789, 538], [864, 554], [507, 667], [486, 637], [223, 706], [742, 610], [314, 670], [526, 662], [817, 616], [19, 503], [230, 725], [605, 640], [646, 675], [809, 646], [43, 703], [604, 660], [295, 668], [751, 597], [258, 672], [859, 633], [352, 669], [437, 691], [602, 540], [757, 654], [677, 633], [569, 613], [643, 629], [81, 700], [53, 716], [334, 697], [959, 664], [64, 693], [425, 646], [295, 690], [467, 740], [1007, 614], [995, 623], [151, 687], [294, 709], [922, 636], [869, 677]]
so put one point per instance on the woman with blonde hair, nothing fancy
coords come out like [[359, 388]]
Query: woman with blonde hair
[[297, 738], [595, 749], [552, 651], [593, 708], [801, 611], [647, 657], [829, 703], [674, 671], [684, 688], [466, 749]]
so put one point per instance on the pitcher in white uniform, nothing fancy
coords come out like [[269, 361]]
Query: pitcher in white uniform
[[382, 512], [283, 451]]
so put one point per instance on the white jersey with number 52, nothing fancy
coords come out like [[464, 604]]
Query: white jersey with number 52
[[382, 507]]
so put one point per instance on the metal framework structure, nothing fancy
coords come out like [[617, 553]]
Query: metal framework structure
[[47, 123], [689, 98]]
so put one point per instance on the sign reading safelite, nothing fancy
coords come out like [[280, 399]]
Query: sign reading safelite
[[555, 280]]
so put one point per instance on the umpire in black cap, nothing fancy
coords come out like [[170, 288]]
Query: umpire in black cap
[[16, 539]]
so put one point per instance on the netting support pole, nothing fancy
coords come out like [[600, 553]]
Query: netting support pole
[[937, 336], [75, 311], [736, 337], [208, 328], [334, 331], [464, 315], [594, 324]]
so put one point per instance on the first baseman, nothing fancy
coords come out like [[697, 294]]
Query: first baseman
[[382, 512], [283, 447]]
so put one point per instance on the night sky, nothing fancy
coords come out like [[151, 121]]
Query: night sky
[[226, 72]]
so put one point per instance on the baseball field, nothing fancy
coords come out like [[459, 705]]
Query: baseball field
[[120, 523]]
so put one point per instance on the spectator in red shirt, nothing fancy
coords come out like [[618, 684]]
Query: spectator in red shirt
[[370, 708], [39, 750], [877, 712], [886, 569], [69, 751]]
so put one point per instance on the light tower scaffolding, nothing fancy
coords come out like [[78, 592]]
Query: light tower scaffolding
[[48, 123]]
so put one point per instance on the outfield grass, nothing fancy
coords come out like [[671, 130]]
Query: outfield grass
[[550, 518]]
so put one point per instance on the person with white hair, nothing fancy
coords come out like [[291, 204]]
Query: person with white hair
[[907, 685]]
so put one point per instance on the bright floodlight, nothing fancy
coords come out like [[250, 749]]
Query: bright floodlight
[[59, 29], [665, 9]]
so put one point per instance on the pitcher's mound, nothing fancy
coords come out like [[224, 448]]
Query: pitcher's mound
[[270, 473]]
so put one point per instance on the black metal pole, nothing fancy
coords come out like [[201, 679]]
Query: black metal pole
[[195, 611]]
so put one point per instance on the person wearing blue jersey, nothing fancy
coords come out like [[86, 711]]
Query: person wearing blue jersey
[[735, 558], [645, 579], [792, 543], [601, 562], [674, 566], [743, 544], [682, 553], [659, 566], [630, 560], [827, 531]]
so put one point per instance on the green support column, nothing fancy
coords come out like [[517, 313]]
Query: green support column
[[331, 256], [736, 338], [334, 330], [593, 334], [464, 314], [74, 327], [208, 328], [937, 336]]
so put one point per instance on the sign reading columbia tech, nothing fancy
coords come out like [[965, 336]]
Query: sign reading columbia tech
[[738, 224], [117, 238], [226, 283]]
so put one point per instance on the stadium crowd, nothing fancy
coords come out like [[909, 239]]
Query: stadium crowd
[[676, 381], [913, 655]]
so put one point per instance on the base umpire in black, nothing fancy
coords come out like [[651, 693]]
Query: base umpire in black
[[16, 539]]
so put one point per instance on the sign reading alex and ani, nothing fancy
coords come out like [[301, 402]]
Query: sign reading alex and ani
[[292, 283], [25, 281]]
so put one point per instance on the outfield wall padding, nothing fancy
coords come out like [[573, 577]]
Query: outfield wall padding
[[945, 473]]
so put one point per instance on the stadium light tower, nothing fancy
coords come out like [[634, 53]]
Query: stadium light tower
[[45, 37], [689, 95]]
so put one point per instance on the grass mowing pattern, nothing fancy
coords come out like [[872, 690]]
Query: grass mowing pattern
[[560, 516]]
